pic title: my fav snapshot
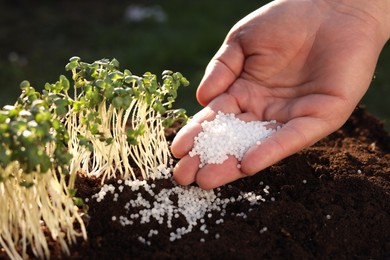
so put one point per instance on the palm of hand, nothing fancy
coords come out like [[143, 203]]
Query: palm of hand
[[284, 64]]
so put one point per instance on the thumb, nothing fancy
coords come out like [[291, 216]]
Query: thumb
[[221, 72]]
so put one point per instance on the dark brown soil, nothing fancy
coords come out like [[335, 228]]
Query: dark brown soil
[[331, 201]]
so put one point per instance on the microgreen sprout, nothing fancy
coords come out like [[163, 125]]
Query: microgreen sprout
[[33, 187], [115, 119], [110, 123]]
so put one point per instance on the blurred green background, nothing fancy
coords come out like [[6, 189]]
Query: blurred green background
[[37, 38]]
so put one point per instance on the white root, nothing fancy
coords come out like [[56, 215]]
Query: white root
[[28, 211]]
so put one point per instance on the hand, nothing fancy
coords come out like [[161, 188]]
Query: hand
[[304, 63]]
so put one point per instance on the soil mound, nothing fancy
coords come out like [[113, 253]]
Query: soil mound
[[330, 201]]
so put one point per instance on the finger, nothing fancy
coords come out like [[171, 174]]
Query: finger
[[184, 140], [291, 138], [185, 170], [214, 175], [221, 72]]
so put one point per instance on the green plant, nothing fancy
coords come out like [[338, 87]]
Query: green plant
[[111, 124], [115, 119], [33, 171]]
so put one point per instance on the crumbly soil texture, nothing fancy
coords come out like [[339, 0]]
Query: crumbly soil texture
[[330, 201]]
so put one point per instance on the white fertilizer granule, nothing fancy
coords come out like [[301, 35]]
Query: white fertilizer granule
[[181, 209], [228, 135]]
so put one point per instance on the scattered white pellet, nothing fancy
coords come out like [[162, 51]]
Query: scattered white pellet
[[264, 229], [219, 221], [152, 232], [189, 202], [328, 216], [142, 240]]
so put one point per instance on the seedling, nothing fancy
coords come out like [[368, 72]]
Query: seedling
[[111, 124], [115, 119], [33, 187]]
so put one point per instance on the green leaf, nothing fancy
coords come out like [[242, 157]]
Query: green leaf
[[141, 129], [93, 117], [78, 106], [78, 201], [3, 116], [167, 122], [109, 141], [184, 82], [115, 63], [26, 184], [117, 102], [72, 65], [62, 157], [5, 156], [94, 128], [132, 140], [17, 127], [121, 91], [132, 135], [48, 86], [74, 58], [116, 75], [61, 102], [57, 125], [100, 84], [72, 192], [85, 142], [61, 111], [33, 158], [64, 82], [24, 84], [127, 72], [126, 101], [44, 162], [109, 92], [158, 107], [167, 72], [104, 62], [61, 106]]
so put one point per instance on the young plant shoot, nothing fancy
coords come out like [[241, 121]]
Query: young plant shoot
[[116, 120], [110, 125], [34, 193]]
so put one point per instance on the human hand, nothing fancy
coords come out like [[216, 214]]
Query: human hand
[[305, 64]]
